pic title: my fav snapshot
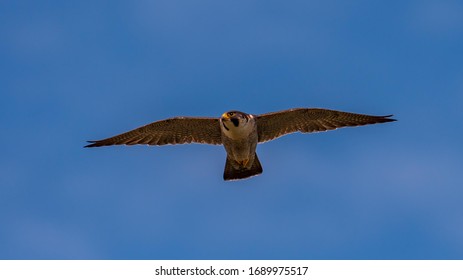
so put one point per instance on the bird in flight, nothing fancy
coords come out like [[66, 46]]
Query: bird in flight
[[239, 133]]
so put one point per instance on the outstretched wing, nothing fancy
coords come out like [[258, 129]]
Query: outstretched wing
[[179, 130], [305, 120]]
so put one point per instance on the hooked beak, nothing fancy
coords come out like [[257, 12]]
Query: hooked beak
[[225, 116]]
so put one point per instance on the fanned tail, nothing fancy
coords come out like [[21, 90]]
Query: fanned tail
[[230, 173]]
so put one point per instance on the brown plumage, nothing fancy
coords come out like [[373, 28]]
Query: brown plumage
[[277, 124], [239, 133], [178, 130]]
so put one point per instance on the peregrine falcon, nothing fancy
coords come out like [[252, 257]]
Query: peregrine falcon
[[239, 133]]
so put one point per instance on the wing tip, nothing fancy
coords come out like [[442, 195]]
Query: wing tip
[[92, 144], [388, 118]]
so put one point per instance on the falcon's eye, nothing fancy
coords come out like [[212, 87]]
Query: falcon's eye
[[231, 114]]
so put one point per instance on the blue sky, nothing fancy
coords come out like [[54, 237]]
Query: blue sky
[[86, 70]]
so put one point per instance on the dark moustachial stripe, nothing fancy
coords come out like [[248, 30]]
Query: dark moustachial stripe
[[235, 121]]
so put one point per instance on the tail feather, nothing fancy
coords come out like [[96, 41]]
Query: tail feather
[[230, 173]]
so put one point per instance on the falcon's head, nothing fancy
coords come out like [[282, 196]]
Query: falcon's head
[[235, 117], [235, 123]]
